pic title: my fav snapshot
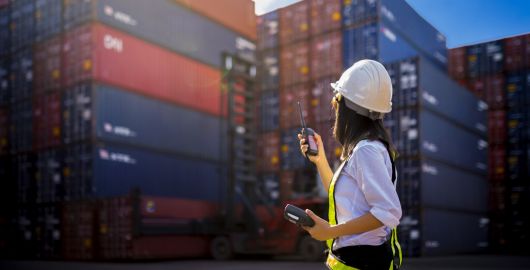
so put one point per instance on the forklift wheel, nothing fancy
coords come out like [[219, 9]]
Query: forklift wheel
[[221, 248], [310, 249]]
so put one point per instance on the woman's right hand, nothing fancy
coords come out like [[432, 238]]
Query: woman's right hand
[[321, 156]]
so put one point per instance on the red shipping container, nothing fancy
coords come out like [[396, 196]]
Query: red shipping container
[[4, 130], [497, 163], [78, 230], [294, 22], [294, 64], [47, 120], [47, 66], [101, 53], [325, 16], [326, 55], [517, 52], [289, 115], [269, 152], [238, 15], [457, 63], [161, 207], [497, 127], [321, 96]]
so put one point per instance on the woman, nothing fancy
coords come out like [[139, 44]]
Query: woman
[[363, 204]]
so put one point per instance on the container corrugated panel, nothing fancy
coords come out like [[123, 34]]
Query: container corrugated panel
[[269, 69], [5, 90], [517, 52], [5, 44], [119, 59], [48, 176], [136, 17], [23, 174], [269, 107], [321, 96], [405, 21], [497, 163], [95, 171], [497, 126], [48, 14], [294, 22], [268, 27], [21, 127], [394, 46], [290, 155], [484, 59], [451, 232], [4, 130], [47, 65], [294, 64], [457, 63], [270, 187], [325, 16], [297, 184], [152, 207], [269, 152], [417, 82], [90, 111], [497, 199], [22, 24], [494, 94], [468, 191], [420, 132], [326, 55], [289, 112], [359, 12], [48, 231], [238, 15], [517, 124], [46, 120], [517, 95], [21, 78], [78, 232], [360, 43]]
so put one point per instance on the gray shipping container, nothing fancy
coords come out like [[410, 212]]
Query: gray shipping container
[[166, 24]]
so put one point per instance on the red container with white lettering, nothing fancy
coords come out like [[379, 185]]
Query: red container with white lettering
[[517, 52], [326, 55], [100, 53], [294, 22], [294, 64], [47, 66], [457, 63], [497, 126], [289, 114]]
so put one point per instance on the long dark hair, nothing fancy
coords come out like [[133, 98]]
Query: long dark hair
[[351, 127]]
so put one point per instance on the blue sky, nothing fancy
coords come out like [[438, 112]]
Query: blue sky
[[463, 22]]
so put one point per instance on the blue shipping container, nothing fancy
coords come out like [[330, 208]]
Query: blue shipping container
[[485, 58], [517, 90], [269, 109], [427, 183], [290, 156], [48, 14], [21, 130], [269, 70], [175, 28], [48, 176], [416, 82], [106, 170], [5, 91], [4, 31], [21, 78], [128, 118], [423, 133], [269, 186], [268, 28], [22, 24]]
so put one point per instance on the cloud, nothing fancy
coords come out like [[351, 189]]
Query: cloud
[[264, 6]]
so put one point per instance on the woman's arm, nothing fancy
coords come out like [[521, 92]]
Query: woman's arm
[[323, 231], [320, 160]]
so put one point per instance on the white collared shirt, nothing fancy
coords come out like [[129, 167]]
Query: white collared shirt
[[365, 185]]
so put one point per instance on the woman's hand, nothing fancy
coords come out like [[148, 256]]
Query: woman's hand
[[322, 230], [321, 156]]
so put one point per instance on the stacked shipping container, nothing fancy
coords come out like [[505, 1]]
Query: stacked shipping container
[[498, 71], [98, 98], [316, 41]]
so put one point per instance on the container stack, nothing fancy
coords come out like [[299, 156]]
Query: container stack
[[100, 98], [499, 72], [311, 43]]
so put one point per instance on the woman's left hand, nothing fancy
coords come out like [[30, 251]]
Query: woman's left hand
[[322, 230]]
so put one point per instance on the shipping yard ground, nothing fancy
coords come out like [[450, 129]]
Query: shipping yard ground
[[438, 263]]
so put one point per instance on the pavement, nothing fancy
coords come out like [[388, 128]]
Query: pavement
[[438, 263]]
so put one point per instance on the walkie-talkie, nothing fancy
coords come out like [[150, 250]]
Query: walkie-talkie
[[308, 134]]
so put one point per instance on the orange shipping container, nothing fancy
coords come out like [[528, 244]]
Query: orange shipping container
[[238, 15], [325, 16], [326, 55], [294, 64], [294, 23]]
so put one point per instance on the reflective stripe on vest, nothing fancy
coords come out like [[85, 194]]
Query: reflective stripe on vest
[[332, 262]]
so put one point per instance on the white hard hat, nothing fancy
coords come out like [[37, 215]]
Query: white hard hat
[[366, 88]]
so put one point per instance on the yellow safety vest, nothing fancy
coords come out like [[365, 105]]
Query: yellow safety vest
[[332, 261]]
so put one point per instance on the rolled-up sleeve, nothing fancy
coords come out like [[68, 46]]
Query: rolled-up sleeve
[[376, 184]]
